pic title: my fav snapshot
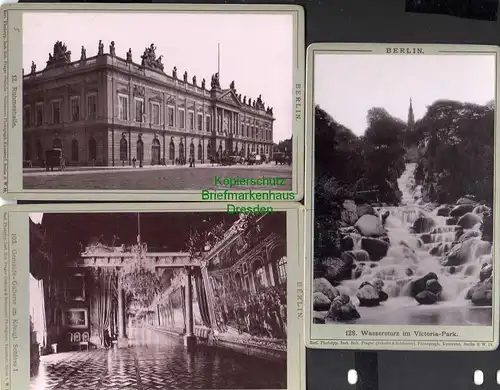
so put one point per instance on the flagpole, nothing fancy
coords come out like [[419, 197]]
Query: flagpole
[[218, 59]]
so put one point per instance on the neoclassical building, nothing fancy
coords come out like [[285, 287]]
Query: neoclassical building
[[108, 110]]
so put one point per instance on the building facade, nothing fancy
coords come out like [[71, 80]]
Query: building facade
[[107, 110]]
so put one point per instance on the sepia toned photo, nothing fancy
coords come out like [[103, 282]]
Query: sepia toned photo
[[404, 192], [113, 304], [164, 112]]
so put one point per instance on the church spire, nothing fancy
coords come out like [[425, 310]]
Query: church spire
[[411, 117]]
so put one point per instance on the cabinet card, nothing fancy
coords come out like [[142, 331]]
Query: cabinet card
[[138, 296], [133, 102], [401, 203]]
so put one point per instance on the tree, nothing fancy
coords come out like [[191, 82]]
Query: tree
[[458, 157], [384, 140]]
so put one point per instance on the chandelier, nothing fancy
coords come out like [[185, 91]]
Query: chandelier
[[138, 273]]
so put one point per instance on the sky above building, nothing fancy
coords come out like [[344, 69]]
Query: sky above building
[[348, 85], [256, 50]]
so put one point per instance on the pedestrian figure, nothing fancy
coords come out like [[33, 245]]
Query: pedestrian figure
[[63, 163], [134, 161]]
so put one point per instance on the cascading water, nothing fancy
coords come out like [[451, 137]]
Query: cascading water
[[413, 255]]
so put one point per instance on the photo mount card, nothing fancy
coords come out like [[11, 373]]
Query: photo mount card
[[72, 282], [167, 116], [402, 137]]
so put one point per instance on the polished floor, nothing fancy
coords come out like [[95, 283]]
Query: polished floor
[[157, 361]]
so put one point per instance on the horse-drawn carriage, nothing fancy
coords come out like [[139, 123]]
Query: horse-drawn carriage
[[55, 158]]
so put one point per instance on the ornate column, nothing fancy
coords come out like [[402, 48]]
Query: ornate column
[[122, 333], [189, 337]]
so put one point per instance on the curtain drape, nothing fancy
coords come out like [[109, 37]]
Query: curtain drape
[[105, 301], [202, 298]]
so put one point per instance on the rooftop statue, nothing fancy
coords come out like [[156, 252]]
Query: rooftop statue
[[112, 50], [83, 55], [215, 81], [149, 59], [60, 56], [100, 48]]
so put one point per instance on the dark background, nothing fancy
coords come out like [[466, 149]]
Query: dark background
[[475, 22]]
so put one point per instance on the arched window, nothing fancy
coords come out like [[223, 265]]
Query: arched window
[[57, 143], [259, 275], [123, 150], [200, 152], [238, 281], [92, 149], [282, 270], [74, 150], [155, 152], [171, 150], [140, 150], [259, 278]]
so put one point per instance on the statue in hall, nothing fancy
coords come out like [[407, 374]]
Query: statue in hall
[[83, 54], [100, 48]]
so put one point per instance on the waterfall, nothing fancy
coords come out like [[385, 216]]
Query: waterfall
[[412, 255]]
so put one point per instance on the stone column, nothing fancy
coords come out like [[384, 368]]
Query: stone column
[[189, 337], [122, 333]]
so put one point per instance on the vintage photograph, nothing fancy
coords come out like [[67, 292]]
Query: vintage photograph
[[195, 95], [403, 187], [115, 304]]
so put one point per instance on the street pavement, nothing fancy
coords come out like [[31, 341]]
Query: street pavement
[[155, 360], [153, 178]]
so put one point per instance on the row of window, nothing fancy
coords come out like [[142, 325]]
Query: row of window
[[261, 276], [54, 116], [247, 130], [155, 118]]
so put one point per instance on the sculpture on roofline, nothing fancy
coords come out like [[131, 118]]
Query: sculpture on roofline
[[112, 50], [100, 48]]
